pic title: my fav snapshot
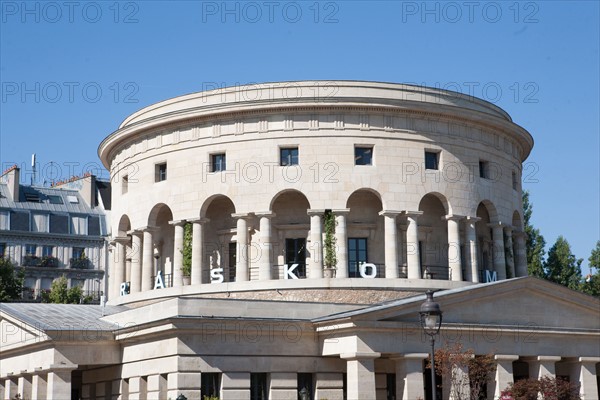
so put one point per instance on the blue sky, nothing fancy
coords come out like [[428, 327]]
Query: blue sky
[[72, 71]]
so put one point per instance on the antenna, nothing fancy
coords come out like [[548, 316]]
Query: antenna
[[33, 168]]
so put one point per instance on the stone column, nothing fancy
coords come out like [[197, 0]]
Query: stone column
[[199, 265], [409, 376], [136, 261], [520, 253], [329, 386], [148, 259], [242, 257], [316, 245], [586, 376], [454, 258], [284, 386], [39, 385], [119, 266], [265, 264], [59, 384], [178, 252], [471, 249], [341, 242], [504, 374], [542, 365], [235, 386], [402, 250], [24, 385], [499, 259], [391, 243], [459, 387], [510, 256], [412, 245], [11, 387], [360, 375]]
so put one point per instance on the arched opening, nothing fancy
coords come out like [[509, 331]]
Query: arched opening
[[122, 232], [219, 237], [433, 237], [485, 244], [365, 232], [163, 242], [516, 221], [291, 225]]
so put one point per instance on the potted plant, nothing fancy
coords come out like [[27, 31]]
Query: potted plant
[[330, 257]]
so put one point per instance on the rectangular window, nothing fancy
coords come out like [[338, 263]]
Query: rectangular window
[[218, 162], [160, 173], [305, 386], [94, 226], [288, 156], [515, 182], [363, 155], [59, 223], [39, 222], [78, 225], [432, 159], [357, 255], [30, 249], [55, 199], [78, 252], [47, 251], [2, 249], [295, 253], [484, 169], [258, 386], [210, 384], [19, 221], [125, 184], [4, 220]]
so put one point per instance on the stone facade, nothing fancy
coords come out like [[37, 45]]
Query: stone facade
[[423, 183]]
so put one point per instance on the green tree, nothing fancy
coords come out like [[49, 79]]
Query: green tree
[[61, 294], [11, 280], [329, 243], [562, 266], [591, 285], [535, 242]]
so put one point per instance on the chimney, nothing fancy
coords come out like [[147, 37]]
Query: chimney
[[85, 185], [11, 178]]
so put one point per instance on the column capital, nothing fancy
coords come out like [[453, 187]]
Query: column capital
[[359, 356], [508, 229], [517, 234], [472, 219], [542, 358], [200, 220], [241, 215], [410, 356], [341, 211], [390, 213], [62, 367], [136, 232], [452, 217], [177, 222], [315, 211], [265, 214], [412, 214], [506, 357], [497, 225], [588, 359]]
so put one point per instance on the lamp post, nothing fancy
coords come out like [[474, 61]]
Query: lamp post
[[431, 321]]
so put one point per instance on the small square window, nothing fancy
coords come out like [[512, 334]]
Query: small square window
[[432, 159], [160, 172], [363, 156], [515, 182], [484, 170], [73, 199], [288, 156], [218, 162], [125, 184]]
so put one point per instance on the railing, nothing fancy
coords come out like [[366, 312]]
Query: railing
[[437, 272], [80, 263], [31, 261], [355, 272], [166, 278]]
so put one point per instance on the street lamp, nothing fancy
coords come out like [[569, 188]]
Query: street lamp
[[431, 321]]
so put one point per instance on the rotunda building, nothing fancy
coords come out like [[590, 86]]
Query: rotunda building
[[416, 187]]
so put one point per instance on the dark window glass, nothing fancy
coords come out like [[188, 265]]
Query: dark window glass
[[47, 251], [289, 156], [52, 199], [2, 249], [78, 252], [390, 386], [515, 182], [59, 223], [232, 261], [431, 160], [161, 172], [357, 254], [30, 249], [209, 385], [305, 386], [94, 226], [258, 386], [295, 253], [19, 221], [363, 156], [483, 169], [218, 162]]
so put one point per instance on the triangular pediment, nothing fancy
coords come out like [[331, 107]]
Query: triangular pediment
[[527, 302]]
